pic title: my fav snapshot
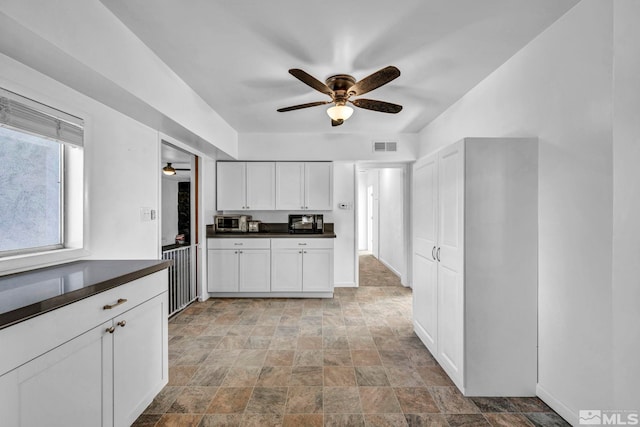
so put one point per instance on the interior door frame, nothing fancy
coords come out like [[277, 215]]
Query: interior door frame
[[407, 207]]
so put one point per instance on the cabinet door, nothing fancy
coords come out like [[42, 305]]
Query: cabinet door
[[255, 270], [261, 185], [286, 270], [317, 270], [222, 270], [231, 186], [290, 185], [67, 386], [425, 268], [140, 358], [450, 267], [318, 186]]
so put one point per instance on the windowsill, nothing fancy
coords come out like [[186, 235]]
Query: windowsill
[[25, 262]]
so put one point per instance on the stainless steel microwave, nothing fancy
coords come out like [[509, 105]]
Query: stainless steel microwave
[[231, 223]]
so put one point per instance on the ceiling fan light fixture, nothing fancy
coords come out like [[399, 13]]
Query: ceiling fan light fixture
[[168, 170], [340, 112]]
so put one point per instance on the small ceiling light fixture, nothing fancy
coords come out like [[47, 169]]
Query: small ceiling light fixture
[[168, 170], [340, 113]]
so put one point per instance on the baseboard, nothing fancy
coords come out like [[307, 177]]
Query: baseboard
[[345, 285], [393, 270], [563, 410]]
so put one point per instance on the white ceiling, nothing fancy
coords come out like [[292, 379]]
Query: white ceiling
[[236, 54]]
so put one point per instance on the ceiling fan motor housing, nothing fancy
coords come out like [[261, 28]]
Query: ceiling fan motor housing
[[340, 85]]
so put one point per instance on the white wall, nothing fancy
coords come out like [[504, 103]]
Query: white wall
[[82, 44], [363, 213], [559, 88], [326, 146], [626, 205], [169, 213], [121, 166], [391, 234]]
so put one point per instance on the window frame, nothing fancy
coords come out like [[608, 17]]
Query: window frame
[[72, 216]]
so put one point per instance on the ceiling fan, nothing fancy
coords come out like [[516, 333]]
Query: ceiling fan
[[170, 170], [341, 87]]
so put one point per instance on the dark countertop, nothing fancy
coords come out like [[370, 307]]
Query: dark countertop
[[271, 235], [273, 230], [31, 293]]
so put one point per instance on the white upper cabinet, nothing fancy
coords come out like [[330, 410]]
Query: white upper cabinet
[[231, 186], [261, 186], [304, 186], [318, 186], [265, 186], [290, 186], [245, 185]]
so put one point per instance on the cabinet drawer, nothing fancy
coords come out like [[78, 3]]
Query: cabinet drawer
[[33, 337], [297, 243], [231, 243]]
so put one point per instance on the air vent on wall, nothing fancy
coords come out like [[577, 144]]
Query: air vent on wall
[[379, 147]]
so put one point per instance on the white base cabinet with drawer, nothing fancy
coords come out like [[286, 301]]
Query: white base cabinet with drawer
[[302, 265], [291, 267], [239, 265], [105, 376]]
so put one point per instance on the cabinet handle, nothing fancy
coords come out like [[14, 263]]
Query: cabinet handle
[[235, 252], [306, 207], [111, 329], [299, 252], [304, 252], [238, 244], [239, 252], [433, 253], [247, 207], [301, 207], [110, 306], [122, 323], [438, 254], [302, 244]]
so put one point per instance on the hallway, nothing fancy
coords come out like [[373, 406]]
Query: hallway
[[348, 361], [374, 273]]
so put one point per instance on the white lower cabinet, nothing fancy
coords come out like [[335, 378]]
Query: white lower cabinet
[[261, 266], [302, 265], [239, 265], [105, 376]]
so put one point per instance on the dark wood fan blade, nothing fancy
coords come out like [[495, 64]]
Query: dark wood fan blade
[[381, 106], [309, 80], [336, 122], [375, 80], [297, 107]]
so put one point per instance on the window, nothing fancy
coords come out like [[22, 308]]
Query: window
[[35, 144]]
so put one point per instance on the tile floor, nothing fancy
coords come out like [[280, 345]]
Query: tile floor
[[348, 361]]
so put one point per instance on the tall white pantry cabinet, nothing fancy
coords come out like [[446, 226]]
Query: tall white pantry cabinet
[[475, 229]]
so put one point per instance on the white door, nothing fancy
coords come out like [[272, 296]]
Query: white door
[[261, 185], [40, 392], [318, 186], [450, 265], [139, 361], [255, 270], [231, 186], [286, 270], [222, 270], [289, 185], [425, 268], [317, 270]]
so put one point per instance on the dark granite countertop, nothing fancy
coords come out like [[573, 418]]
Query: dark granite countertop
[[273, 230], [272, 235], [31, 293]]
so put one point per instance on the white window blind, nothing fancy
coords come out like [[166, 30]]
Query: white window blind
[[30, 116]]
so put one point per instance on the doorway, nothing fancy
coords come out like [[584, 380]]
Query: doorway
[[179, 219], [381, 225]]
